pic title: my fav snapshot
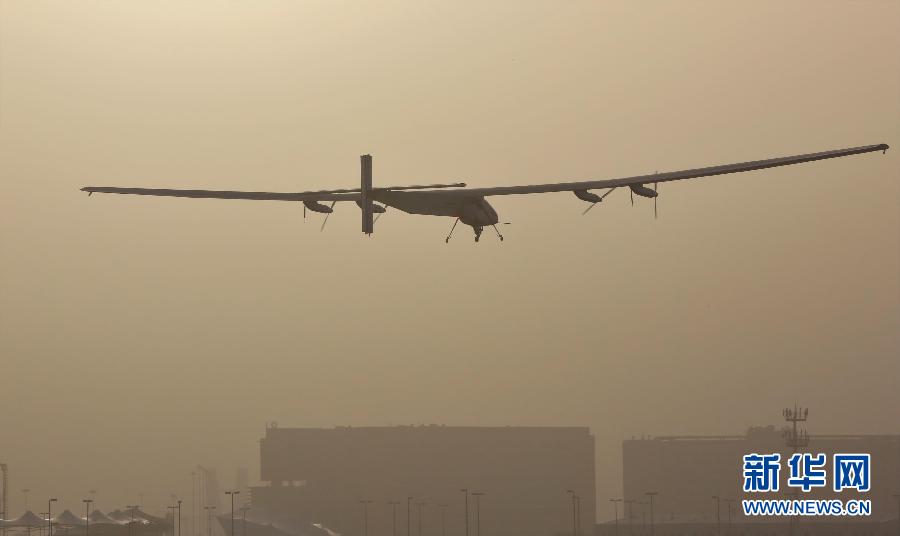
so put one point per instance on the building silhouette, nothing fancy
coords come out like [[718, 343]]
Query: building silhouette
[[688, 471], [321, 476]]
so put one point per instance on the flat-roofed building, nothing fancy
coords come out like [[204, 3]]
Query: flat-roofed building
[[687, 471], [321, 475]]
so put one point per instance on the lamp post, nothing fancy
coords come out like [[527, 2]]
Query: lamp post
[[365, 504], [394, 517], [419, 506], [232, 493], [578, 514], [643, 517], [478, 495], [651, 494], [718, 516], [466, 492], [443, 508], [179, 517], [209, 510], [50, 517], [629, 514], [87, 516], [174, 514], [194, 511], [131, 508], [792, 520], [729, 502], [897, 496], [616, 512], [408, 501], [244, 519], [574, 511]]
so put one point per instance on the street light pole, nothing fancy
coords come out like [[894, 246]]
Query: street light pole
[[729, 502], [443, 508], [365, 504], [232, 493], [477, 495], [897, 496], [718, 516], [244, 520], [578, 514], [616, 512], [131, 508], [194, 510], [87, 516], [50, 517], [394, 516], [466, 492], [629, 513], [574, 512], [651, 494], [209, 510], [174, 517], [179, 517], [408, 501], [419, 506]]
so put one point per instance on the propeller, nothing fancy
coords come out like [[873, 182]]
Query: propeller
[[655, 213], [602, 197], [326, 217]]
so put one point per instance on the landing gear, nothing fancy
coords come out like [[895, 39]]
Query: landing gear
[[447, 240], [498, 232], [479, 229]]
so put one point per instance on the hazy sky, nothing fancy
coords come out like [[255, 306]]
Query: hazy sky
[[142, 336]]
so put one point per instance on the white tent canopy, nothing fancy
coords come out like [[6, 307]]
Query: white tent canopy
[[68, 518], [99, 518], [28, 519]]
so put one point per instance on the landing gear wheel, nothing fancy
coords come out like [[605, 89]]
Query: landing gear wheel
[[498, 232], [447, 240]]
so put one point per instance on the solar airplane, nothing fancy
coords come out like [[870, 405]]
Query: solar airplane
[[469, 205]]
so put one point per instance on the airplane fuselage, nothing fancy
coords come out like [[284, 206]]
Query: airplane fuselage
[[473, 211]]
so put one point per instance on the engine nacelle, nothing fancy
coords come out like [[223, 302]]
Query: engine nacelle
[[643, 191], [376, 209], [315, 206], [585, 195]]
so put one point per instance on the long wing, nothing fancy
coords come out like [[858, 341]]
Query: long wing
[[350, 194], [664, 177], [322, 195]]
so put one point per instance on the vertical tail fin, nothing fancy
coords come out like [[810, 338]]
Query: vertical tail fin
[[365, 190]]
